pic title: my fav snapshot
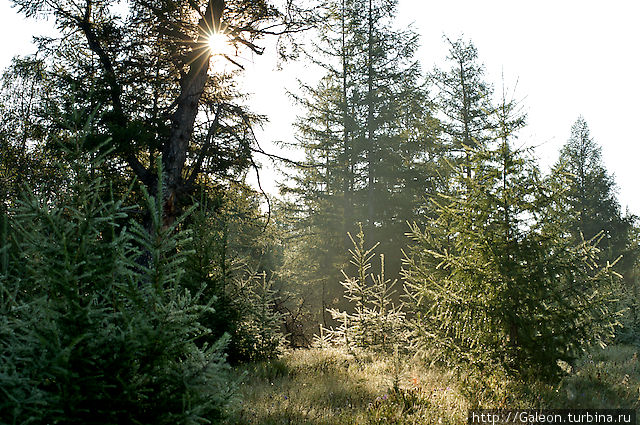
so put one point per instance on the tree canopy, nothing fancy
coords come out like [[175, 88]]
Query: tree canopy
[[146, 67]]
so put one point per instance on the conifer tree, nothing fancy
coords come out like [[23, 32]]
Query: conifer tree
[[24, 104], [89, 335], [148, 67], [588, 206], [368, 135], [373, 321], [491, 283], [464, 99], [234, 255]]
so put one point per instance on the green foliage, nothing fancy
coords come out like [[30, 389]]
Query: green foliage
[[588, 203], [368, 135], [157, 86], [258, 333], [233, 254], [90, 335], [588, 206], [24, 103], [4, 246], [494, 283], [464, 98], [269, 370], [631, 296], [375, 322]]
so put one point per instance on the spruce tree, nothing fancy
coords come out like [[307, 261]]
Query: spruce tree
[[87, 333], [234, 255], [464, 100], [24, 128], [588, 207], [589, 203], [492, 285], [368, 135], [373, 321]]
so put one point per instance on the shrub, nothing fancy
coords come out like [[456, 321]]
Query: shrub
[[87, 333], [374, 321], [228, 255]]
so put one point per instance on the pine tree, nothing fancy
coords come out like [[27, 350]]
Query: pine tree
[[492, 285], [88, 334], [368, 135]]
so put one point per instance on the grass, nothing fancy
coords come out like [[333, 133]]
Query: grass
[[330, 386], [603, 378]]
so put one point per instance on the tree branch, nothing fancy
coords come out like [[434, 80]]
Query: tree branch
[[205, 149], [115, 90]]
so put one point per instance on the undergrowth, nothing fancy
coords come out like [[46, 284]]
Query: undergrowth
[[330, 386]]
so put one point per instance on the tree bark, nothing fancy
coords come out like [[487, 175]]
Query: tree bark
[[174, 152]]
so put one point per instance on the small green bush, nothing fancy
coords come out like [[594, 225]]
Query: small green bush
[[88, 335], [227, 258], [375, 322]]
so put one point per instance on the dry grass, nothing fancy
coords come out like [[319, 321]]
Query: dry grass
[[608, 378], [330, 386]]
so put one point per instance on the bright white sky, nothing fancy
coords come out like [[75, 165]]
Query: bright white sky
[[570, 58]]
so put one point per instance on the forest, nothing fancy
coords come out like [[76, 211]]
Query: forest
[[417, 262]]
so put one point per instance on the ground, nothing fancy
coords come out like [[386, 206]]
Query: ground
[[331, 386]]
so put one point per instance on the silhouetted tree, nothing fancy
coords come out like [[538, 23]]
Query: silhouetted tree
[[147, 67]]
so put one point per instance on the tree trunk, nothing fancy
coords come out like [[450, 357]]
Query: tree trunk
[[174, 152], [347, 184]]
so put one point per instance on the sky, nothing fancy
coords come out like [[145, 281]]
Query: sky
[[569, 58]]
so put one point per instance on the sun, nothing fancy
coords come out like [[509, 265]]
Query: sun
[[218, 43]]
